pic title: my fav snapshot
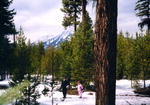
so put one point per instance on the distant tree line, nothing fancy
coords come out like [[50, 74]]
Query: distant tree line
[[133, 57], [74, 57]]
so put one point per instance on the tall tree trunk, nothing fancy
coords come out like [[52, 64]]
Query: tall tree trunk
[[75, 20], [105, 51], [148, 30], [75, 17], [84, 2], [144, 82], [52, 84], [29, 90], [131, 81], [144, 79], [14, 39], [148, 16]]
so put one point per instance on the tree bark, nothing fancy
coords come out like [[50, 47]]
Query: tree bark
[[148, 16], [144, 79], [105, 51], [75, 20], [131, 81], [75, 17], [14, 38], [84, 2], [148, 30]]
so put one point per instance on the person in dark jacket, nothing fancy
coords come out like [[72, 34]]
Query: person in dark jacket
[[64, 85]]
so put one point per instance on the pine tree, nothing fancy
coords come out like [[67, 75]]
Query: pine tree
[[124, 50], [72, 9], [29, 94], [7, 26], [140, 59], [37, 52], [5, 57], [13, 93], [84, 3], [120, 56], [57, 61], [82, 46], [46, 62], [24, 69], [22, 58], [66, 59], [143, 10]]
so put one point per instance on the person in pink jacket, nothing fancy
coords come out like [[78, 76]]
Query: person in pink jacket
[[79, 89]]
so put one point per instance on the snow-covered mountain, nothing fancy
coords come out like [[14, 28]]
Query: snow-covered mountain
[[56, 40]]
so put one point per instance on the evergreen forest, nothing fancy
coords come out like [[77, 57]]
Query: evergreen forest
[[73, 58]]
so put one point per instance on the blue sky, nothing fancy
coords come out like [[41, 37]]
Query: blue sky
[[43, 17]]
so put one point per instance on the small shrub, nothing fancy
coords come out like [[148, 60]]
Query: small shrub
[[136, 84]]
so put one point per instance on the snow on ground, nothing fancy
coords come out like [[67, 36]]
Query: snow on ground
[[4, 83], [124, 96], [70, 100]]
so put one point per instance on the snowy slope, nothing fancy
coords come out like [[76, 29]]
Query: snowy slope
[[56, 40]]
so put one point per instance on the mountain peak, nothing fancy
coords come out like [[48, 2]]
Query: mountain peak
[[56, 40]]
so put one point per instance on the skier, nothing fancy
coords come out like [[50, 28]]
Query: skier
[[80, 89]]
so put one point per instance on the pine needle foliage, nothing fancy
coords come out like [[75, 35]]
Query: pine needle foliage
[[13, 93]]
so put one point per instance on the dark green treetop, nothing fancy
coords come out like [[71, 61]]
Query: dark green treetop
[[142, 9], [71, 9], [7, 26]]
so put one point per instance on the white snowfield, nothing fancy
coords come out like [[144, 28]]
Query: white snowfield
[[70, 100], [4, 83], [124, 96]]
